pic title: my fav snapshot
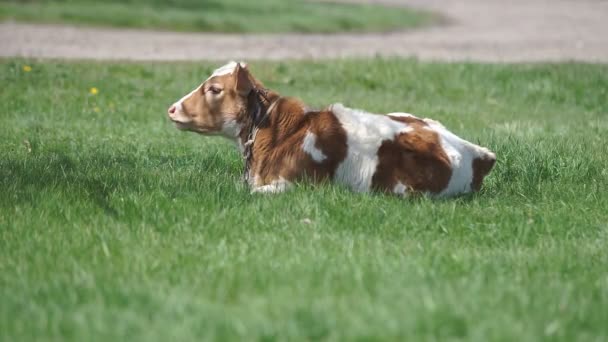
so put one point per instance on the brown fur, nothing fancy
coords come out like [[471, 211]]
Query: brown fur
[[481, 168], [415, 159], [277, 151]]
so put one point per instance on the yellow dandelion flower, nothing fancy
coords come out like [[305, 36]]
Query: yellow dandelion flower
[[96, 109], [27, 68], [94, 91]]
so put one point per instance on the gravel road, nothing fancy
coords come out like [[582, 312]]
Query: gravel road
[[476, 30]]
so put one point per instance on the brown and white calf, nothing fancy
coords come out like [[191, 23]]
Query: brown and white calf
[[284, 141]]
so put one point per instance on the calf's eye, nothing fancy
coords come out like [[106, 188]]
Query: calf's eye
[[214, 90]]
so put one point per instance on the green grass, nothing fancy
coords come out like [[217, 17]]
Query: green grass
[[116, 226], [271, 16]]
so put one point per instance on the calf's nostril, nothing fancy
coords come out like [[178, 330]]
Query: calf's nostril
[[172, 110]]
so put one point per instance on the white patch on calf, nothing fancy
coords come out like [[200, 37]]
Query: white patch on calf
[[365, 132], [227, 69], [231, 128], [400, 189], [277, 186], [308, 145], [402, 115], [433, 122]]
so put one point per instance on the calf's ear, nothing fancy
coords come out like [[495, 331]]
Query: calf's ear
[[243, 80]]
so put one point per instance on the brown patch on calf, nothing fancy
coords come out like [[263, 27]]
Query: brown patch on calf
[[278, 152], [481, 167], [416, 159]]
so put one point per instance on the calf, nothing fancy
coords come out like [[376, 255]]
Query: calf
[[284, 141]]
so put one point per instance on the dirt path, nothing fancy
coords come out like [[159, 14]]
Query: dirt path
[[479, 30]]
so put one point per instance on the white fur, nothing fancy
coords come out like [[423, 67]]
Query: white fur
[[400, 189], [231, 128], [309, 147], [364, 135], [402, 115], [277, 186], [227, 69]]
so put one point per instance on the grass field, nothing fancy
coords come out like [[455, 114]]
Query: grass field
[[216, 15], [115, 226]]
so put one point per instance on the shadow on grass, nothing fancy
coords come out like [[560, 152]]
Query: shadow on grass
[[96, 177], [59, 174]]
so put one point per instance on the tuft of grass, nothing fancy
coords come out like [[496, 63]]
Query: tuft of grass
[[114, 225], [270, 16]]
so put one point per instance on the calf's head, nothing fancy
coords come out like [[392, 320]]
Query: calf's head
[[218, 105]]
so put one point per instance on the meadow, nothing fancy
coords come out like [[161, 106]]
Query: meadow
[[114, 225], [268, 16]]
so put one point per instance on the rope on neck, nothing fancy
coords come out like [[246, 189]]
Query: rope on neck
[[257, 119]]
